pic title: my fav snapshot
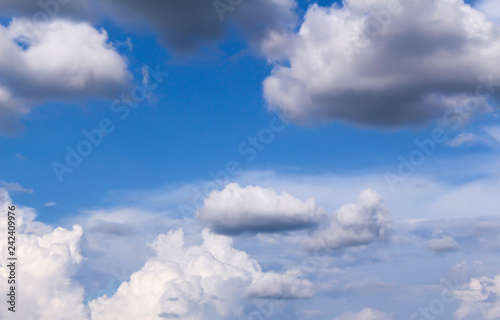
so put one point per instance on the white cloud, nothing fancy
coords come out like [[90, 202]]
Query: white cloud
[[110, 235], [480, 299], [378, 64], [47, 260], [365, 314], [50, 204], [57, 60], [432, 193], [257, 209], [355, 224], [442, 245], [194, 282], [463, 138], [280, 286]]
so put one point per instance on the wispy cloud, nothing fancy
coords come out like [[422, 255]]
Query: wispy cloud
[[20, 157], [14, 187], [464, 138]]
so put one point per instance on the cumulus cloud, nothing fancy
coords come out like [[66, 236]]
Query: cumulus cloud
[[195, 282], [280, 286], [355, 224], [56, 60], [365, 314], [183, 280], [47, 261], [110, 235], [442, 245], [479, 299], [256, 209], [384, 63]]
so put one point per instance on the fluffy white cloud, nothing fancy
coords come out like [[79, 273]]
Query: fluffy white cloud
[[365, 314], [56, 60], [480, 299], [280, 286], [194, 282], [110, 235], [384, 63], [257, 209], [355, 224], [47, 260]]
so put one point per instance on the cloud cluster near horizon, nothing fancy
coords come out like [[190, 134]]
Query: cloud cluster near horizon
[[181, 281], [188, 275]]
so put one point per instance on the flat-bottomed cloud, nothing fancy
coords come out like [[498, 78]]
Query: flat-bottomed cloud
[[385, 63], [256, 209]]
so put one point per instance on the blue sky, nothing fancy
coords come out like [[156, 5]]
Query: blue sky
[[206, 107], [354, 121]]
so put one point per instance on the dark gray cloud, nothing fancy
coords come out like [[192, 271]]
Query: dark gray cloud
[[39, 11], [184, 25], [113, 228]]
